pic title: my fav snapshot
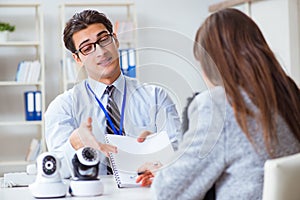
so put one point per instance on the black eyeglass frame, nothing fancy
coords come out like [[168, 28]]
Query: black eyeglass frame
[[94, 45]]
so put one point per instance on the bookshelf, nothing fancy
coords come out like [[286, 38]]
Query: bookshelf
[[26, 43], [117, 12]]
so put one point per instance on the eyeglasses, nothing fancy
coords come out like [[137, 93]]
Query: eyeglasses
[[91, 47]]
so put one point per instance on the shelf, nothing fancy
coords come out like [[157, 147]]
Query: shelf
[[23, 47], [14, 163], [99, 4], [20, 43], [19, 4], [14, 83], [21, 123]]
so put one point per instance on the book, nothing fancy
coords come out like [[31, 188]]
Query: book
[[35, 70], [34, 150], [132, 155], [28, 71]]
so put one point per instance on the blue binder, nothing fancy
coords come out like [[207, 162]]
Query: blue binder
[[33, 105], [38, 105], [131, 63], [128, 62], [29, 105]]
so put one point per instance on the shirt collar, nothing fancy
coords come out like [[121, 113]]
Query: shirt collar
[[99, 87]]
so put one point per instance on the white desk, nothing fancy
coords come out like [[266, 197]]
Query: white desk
[[111, 192]]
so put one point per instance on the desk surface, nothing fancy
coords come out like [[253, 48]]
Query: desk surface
[[111, 191]]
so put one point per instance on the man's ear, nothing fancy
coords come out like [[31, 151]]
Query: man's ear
[[116, 40], [77, 59]]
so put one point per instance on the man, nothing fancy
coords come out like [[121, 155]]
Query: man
[[80, 115]]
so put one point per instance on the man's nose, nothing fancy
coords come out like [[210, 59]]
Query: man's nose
[[100, 50]]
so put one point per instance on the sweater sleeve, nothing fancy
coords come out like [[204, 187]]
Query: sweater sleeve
[[200, 160]]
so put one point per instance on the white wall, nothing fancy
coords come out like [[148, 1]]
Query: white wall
[[170, 53], [176, 20], [279, 23]]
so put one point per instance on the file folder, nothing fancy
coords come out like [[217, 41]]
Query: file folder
[[29, 105], [38, 105], [128, 62], [131, 63], [33, 105], [124, 61]]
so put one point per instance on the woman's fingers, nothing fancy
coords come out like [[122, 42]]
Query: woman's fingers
[[145, 179]]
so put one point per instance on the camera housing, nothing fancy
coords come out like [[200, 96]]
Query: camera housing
[[85, 181], [86, 164], [48, 181]]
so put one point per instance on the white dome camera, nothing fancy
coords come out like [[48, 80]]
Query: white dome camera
[[86, 166], [48, 165], [48, 182]]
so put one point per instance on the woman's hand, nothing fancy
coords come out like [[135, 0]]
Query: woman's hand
[[147, 172], [150, 166], [145, 179]]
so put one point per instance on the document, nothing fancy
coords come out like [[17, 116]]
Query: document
[[132, 154]]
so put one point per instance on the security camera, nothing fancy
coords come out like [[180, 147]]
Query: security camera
[[49, 165], [86, 164], [85, 181], [48, 181]]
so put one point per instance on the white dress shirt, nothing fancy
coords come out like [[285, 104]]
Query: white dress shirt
[[147, 107]]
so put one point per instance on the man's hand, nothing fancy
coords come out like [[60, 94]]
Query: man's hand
[[143, 136], [107, 148], [83, 136]]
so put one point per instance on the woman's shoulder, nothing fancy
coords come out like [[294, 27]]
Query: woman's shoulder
[[209, 100]]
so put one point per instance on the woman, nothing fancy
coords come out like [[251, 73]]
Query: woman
[[259, 118]]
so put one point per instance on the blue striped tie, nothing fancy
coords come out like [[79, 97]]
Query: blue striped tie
[[113, 111]]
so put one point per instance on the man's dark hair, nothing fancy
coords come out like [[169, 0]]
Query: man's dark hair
[[82, 20]]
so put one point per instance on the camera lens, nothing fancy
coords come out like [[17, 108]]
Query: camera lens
[[89, 154], [49, 165]]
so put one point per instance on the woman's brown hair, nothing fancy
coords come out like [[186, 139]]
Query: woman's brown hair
[[246, 63]]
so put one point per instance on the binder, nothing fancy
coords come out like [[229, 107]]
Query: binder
[[33, 105], [38, 105], [29, 105], [156, 147], [131, 63], [124, 61], [128, 62]]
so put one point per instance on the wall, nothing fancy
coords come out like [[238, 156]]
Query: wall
[[279, 22], [170, 38], [178, 20]]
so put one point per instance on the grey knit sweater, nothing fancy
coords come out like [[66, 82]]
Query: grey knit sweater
[[214, 150]]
